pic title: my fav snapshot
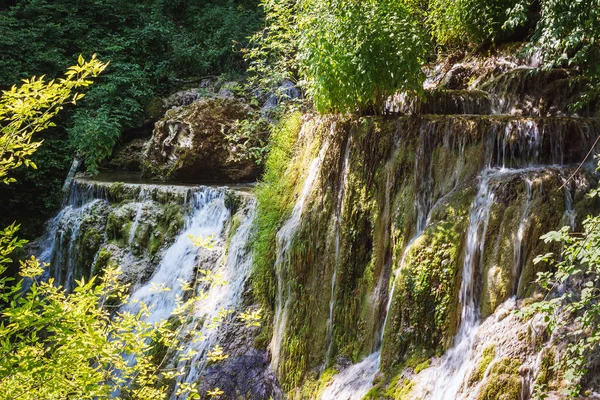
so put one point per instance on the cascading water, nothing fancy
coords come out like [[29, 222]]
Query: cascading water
[[220, 299], [285, 236], [446, 380], [518, 246], [448, 377], [138, 216], [338, 221], [60, 243], [207, 218], [354, 382]]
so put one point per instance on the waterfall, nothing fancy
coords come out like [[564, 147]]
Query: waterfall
[[285, 236], [354, 382], [518, 247], [138, 216], [87, 207], [220, 299], [570, 214], [60, 244], [338, 222], [207, 218]]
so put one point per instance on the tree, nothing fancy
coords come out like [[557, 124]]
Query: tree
[[355, 54], [567, 35], [468, 22], [347, 55]]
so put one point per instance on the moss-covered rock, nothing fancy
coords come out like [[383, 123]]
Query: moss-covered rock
[[503, 381], [406, 175], [128, 157], [192, 144], [487, 357]]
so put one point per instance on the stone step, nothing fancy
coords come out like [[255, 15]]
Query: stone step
[[507, 141], [521, 91]]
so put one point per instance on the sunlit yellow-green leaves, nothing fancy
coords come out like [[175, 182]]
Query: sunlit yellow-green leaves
[[29, 108]]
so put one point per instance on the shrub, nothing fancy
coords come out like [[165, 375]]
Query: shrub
[[354, 54], [468, 22]]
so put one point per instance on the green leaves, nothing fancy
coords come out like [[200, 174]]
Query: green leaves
[[29, 108], [471, 22], [347, 55], [571, 306], [152, 45]]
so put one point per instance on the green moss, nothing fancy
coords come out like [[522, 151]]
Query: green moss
[[314, 386], [398, 388], [423, 365], [103, 260], [233, 201], [403, 391], [546, 374], [234, 224], [91, 242], [423, 306], [486, 359], [275, 198], [503, 382]]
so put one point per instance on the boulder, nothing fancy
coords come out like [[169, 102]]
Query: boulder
[[193, 143]]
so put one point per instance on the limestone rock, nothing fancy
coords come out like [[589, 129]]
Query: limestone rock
[[191, 144]]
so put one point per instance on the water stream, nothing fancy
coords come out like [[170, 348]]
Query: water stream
[[448, 378], [338, 222], [206, 218], [220, 299], [519, 257], [285, 236], [354, 382]]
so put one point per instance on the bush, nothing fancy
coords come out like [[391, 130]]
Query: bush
[[569, 34], [354, 54], [468, 22], [348, 55]]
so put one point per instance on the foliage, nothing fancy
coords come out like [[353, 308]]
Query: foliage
[[271, 53], [347, 54], [36, 195], [24, 111], [468, 22], [567, 34], [59, 345], [249, 138], [28, 109], [154, 48], [354, 54], [151, 44], [573, 287]]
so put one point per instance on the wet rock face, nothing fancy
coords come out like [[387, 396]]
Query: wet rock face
[[247, 377], [191, 144], [129, 157]]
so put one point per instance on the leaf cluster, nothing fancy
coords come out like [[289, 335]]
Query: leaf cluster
[[29, 108], [572, 305]]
